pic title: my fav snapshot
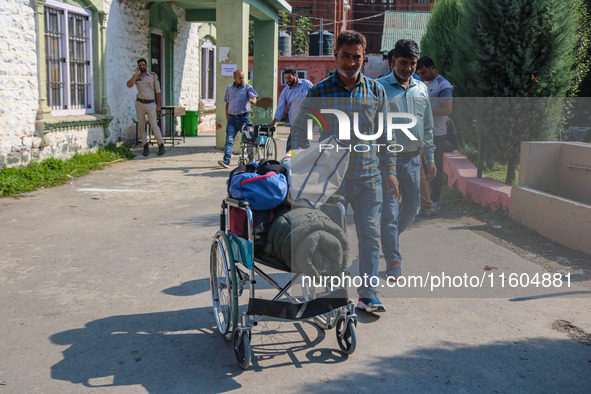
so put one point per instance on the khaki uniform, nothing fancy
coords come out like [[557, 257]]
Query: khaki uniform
[[147, 87]]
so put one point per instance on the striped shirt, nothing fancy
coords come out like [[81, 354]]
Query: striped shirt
[[367, 98], [238, 98]]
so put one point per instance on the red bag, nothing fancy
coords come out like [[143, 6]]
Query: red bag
[[261, 221]]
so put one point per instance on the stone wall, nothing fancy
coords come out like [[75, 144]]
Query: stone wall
[[187, 61], [126, 41], [18, 82]]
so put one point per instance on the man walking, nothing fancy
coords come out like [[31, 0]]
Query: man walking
[[239, 96], [147, 103], [406, 95], [363, 184], [441, 95], [291, 97]]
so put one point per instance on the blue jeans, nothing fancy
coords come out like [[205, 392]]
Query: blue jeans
[[366, 203], [437, 182], [396, 218], [232, 128]]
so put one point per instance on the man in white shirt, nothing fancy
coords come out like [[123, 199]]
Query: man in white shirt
[[291, 97], [441, 96]]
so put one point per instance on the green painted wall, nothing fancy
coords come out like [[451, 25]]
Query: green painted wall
[[232, 18], [265, 73]]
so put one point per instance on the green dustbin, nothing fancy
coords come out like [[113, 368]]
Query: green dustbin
[[190, 123]]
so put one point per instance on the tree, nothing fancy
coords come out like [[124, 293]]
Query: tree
[[250, 39], [516, 49], [301, 41], [582, 83], [441, 34], [284, 22]]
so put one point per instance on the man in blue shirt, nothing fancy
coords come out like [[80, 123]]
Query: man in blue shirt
[[407, 95], [239, 96], [363, 184], [291, 97]]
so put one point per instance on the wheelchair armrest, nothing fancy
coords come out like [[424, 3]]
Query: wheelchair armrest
[[266, 129], [336, 199], [234, 202]]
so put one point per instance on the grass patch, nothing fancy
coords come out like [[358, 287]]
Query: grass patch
[[53, 172], [499, 173], [495, 171]]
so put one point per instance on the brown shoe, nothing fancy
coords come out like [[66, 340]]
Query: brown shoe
[[146, 150], [161, 149]]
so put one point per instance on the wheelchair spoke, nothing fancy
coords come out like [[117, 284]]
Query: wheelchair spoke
[[221, 286]]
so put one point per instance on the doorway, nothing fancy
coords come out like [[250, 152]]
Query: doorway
[[157, 66], [208, 73]]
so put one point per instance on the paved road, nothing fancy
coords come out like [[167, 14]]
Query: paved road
[[104, 288]]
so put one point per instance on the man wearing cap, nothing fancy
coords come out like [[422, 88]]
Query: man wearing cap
[[147, 102]]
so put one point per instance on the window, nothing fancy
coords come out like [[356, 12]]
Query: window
[[301, 74], [208, 72], [68, 59], [302, 11]]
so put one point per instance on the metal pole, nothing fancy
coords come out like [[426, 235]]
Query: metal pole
[[321, 37]]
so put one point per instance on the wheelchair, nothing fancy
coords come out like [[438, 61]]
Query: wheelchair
[[234, 266], [257, 142]]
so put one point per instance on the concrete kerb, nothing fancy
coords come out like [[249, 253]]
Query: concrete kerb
[[484, 191]]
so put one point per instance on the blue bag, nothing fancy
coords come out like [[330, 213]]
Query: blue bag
[[262, 191]]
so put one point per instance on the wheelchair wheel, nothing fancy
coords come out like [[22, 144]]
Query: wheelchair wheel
[[270, 150], [242, 348], [222, 282], [252, 154], [346, 335], [257, 154], [325, 321]]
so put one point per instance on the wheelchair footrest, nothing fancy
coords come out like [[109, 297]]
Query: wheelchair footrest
[[306, 310]]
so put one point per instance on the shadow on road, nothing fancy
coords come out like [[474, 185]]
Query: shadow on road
[[180, 351], [498, 367], [192, 287]]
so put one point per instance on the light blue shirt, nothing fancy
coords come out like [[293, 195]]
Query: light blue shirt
[[292, 97], [413, 100], [238, 98]]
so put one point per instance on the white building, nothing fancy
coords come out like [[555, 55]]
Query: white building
[[64, 67]]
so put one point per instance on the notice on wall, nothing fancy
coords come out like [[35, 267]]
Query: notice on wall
[[228, 69], [223, 53]]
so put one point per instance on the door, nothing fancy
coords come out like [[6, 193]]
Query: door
[[157, 66], [208, 73]]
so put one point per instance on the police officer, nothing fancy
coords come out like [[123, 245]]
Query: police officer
[[147, 103]]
